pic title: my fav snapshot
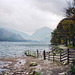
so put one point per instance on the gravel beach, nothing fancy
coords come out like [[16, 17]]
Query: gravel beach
[[21, 66]]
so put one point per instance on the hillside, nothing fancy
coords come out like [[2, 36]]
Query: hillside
[[5, 35], [42, 34]]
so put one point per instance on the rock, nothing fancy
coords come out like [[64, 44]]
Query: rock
[[51, 73], [31, 73], [33, 64], [63, 73], [20, 62], [27, 73], [5, 73], [65, 63]]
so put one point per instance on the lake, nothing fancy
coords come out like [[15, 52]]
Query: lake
[[16, 49]]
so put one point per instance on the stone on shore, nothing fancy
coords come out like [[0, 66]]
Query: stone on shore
[[33, 64], [63, 73]]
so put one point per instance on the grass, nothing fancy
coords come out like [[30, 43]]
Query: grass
[[70, 46], [73, 67], [38, 73]]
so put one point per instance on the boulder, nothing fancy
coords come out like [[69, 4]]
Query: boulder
[[33, 64]]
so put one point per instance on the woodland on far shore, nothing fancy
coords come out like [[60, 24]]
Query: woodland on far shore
[[65, 30]]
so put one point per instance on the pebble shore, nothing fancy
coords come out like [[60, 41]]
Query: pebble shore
[[21, 66]]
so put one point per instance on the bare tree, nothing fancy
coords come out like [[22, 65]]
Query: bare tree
[[70, 10]]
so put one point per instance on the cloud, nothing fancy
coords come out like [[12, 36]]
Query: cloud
[[29, 15], [54, 6]]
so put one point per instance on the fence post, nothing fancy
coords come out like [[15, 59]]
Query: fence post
[[68, 55], [53, 57], [28, 52], [60, 56], [37, 53], [44, 55], [48, 55]]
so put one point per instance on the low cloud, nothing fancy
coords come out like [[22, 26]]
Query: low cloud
[[29, 15]]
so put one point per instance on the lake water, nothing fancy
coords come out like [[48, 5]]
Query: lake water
[[16, 49]]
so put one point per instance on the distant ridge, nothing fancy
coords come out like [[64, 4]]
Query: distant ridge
[[41, 35], [5, 35], [22, 34]]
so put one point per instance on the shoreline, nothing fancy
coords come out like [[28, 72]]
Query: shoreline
[[43, 66]]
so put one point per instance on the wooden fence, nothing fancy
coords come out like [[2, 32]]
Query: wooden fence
[[31, 53], [64, 56]]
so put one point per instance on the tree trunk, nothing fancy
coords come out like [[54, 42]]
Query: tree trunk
[[73, 42], [66, 41], [69, 41]]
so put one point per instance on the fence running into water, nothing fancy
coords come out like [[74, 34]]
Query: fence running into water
[[64, 56]]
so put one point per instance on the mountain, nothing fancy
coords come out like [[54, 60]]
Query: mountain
[[42, 34], [24, 35], [6, 35]]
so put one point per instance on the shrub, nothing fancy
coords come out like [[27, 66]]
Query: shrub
[[73, 67], [57, 50]]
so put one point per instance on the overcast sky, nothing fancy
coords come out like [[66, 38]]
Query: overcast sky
[[30, 15]]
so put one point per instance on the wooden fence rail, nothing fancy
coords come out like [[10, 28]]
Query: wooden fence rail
[[32, 53], [65, 56]]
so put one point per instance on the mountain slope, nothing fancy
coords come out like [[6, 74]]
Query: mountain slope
[[42, 34], [24, 35], [5, 35]]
